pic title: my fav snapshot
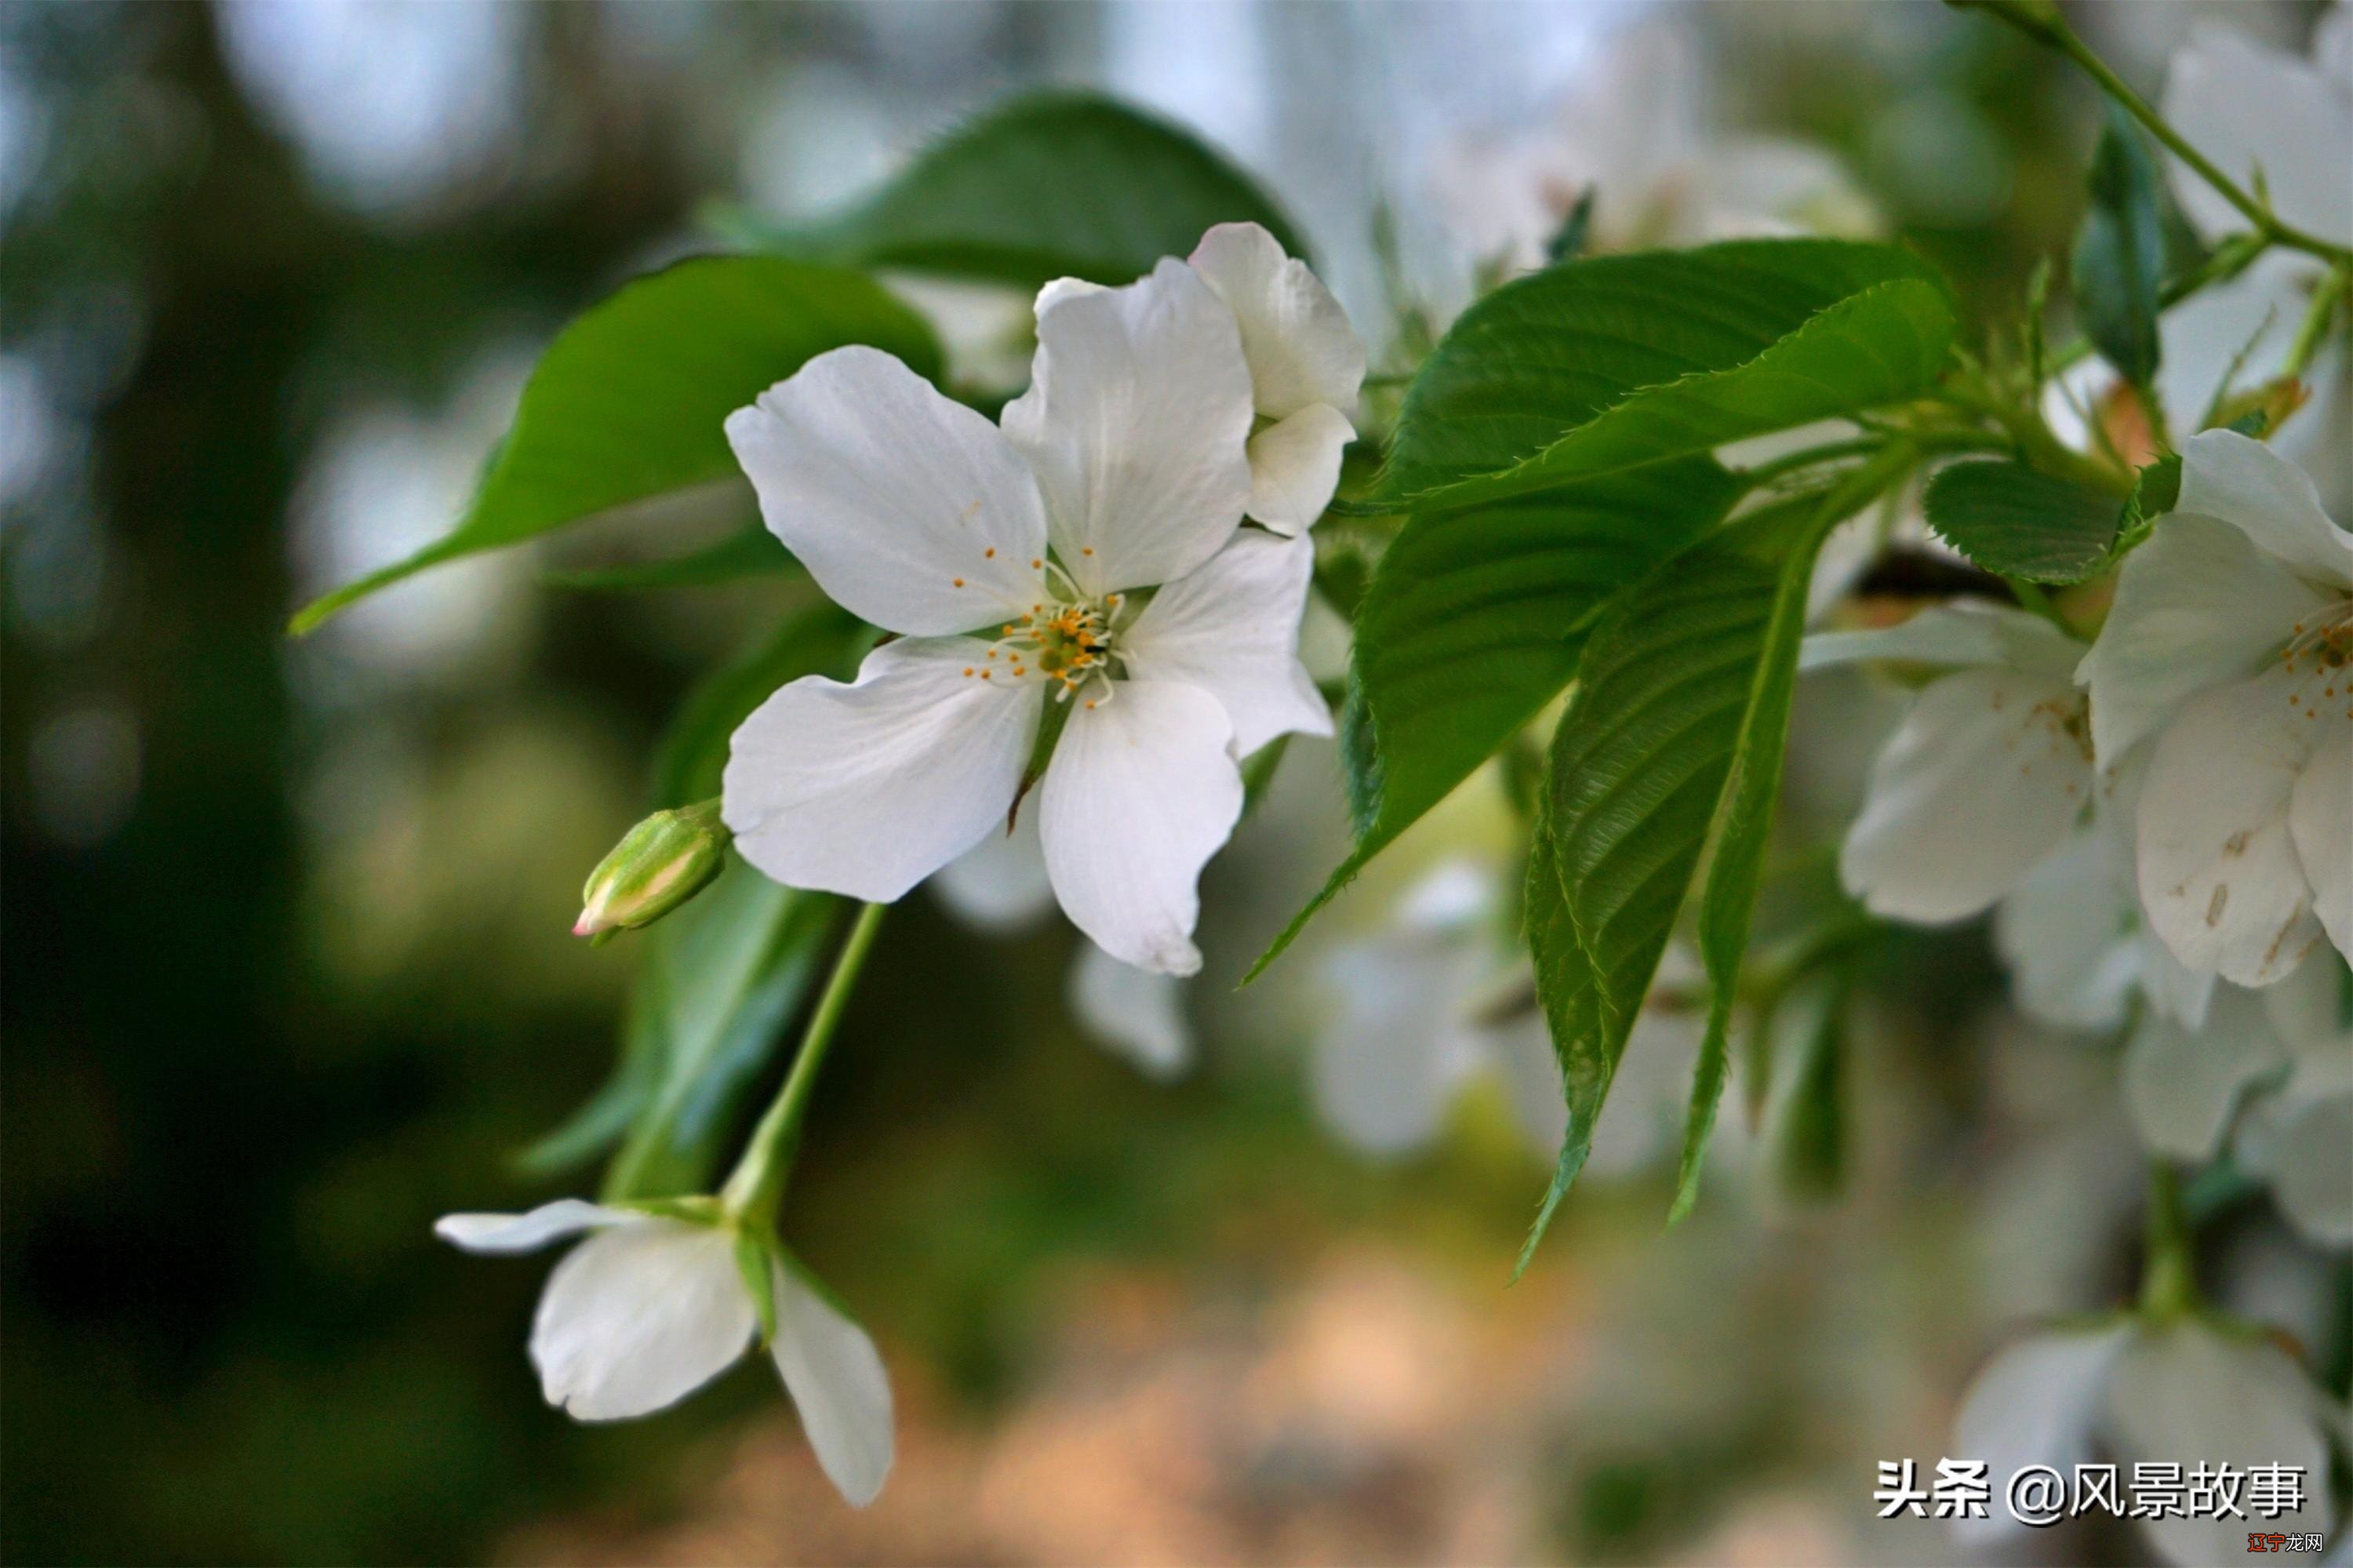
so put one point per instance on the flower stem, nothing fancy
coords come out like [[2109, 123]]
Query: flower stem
[[2308, 336], [2054, 32], [2168, 1281], [757, 1185]]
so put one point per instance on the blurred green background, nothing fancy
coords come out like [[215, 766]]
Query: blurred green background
[[287, 971]]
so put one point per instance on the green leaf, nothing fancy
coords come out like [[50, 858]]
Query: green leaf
[[720, 978], [823, 640], [1632, 782], [1614, 362], [1052, 186], [2018, 523], [1474, 621], [751, 552], [2119, 252], [1745, 818], [630, 401]]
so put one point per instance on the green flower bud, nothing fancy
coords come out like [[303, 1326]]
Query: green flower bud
[[663, 862]]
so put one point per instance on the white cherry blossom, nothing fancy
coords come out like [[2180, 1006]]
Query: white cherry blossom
[[2227, 649], [1986, 796], [649, 1307], [2180, 1389], [1986, 775], [1085, 553], [1306, 367]]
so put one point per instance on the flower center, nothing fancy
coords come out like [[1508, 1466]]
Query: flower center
[[1066, 638], [2319, 654]]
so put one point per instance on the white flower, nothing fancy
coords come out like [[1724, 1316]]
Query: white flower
[[999, 886], [1422, 1010], [2179, 1391], [2228, 645], [1986, 776], [650, 1308], [1307, 366], [1986, 796], [1014, 565]]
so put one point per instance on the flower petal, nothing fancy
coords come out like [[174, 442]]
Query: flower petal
[[2268, 498], [1138, 1013], [1295, 467], [1232, 629], [2306, 1155], [2218, 876], [1301, 349], [1391, 1053], [1980, 780], [2184, 1394], [2036, 1402], [2182, 1085], [894, 497], [867, 788], [638, 1317], [2196, 606], [2320, 820], [1962, 633], [1137, 424], [2069, 935], [529, 1233], [838, 1383], [2247, 107], [1141, 792], [999, 884]]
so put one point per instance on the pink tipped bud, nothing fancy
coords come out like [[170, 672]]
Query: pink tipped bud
[[659, 864]]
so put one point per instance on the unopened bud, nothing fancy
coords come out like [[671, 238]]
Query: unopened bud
[[660, 863]]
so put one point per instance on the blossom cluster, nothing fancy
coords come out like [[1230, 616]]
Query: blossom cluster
[[1074, 604]]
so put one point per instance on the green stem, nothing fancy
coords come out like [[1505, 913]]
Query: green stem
[[757, 1185], [2168, 1281], [2308, 336], [2059, 36], [1918, 441], [2031, 597]]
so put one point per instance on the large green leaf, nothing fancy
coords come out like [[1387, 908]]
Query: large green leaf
[[1633, 781], [1474, 621], [823, 640], [1614, 362], [1790, 536], [721, 978], [630, 401], [2014, 521], [2120, 252], [1053, 185]]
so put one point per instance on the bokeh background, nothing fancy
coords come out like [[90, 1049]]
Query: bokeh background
[[286, 965]]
